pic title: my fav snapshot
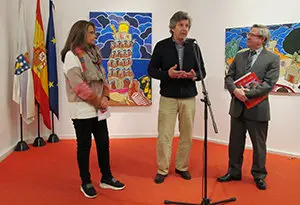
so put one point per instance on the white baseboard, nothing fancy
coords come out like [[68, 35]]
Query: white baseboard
[[6, 152], [116, 136], [273, 151]]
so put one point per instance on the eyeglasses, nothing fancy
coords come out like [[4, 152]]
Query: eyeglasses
[[253, 35]]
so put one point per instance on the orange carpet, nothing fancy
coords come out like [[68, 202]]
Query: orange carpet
[[49, 175]]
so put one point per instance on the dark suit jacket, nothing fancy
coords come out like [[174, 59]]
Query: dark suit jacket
[[266, 68]]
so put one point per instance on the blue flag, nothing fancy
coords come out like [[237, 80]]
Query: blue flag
[[52, 63]]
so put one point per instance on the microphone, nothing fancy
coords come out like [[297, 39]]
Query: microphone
[[197, 55], [195, 45], [192, 40]]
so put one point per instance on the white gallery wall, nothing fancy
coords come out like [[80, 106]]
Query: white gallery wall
[[210, 18], [7, 135]]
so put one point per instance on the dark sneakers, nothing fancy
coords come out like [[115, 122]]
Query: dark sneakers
[[88, 190], [111, 183], [159, 178], [184, 174]]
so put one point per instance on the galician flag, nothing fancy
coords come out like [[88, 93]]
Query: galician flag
[[23, 92]]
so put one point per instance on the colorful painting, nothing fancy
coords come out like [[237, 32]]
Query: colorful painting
[[285, 41], [125, 41]]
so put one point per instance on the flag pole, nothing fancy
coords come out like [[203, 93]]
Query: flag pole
[[52, 71], [53, 138], [39, 141], [22, 86], [22, 145]]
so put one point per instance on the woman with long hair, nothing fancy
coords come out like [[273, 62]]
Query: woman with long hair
[[88, 92]]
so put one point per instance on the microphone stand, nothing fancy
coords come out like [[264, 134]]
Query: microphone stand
[[207, 104]]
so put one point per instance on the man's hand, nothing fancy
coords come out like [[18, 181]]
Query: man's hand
[[245, 89], [191, 75], [239, 93], [175, 73]]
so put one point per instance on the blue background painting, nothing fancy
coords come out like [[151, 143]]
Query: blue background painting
[[141, 30], [284, 41]]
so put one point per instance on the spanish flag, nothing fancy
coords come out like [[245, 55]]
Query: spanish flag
[[40, 69]]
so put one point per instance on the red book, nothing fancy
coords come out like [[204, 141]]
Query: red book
[[250, 81]]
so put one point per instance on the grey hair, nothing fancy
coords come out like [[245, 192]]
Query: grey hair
[[178, 16], [263, 31]]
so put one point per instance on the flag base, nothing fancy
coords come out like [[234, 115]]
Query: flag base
[[53, 138], [22, 146], [39, 142]]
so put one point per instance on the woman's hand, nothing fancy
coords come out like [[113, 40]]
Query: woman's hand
[[104, 103]]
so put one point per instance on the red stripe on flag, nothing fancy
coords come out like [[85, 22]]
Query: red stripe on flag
[[40, 70], [42, 98], [38, 14]]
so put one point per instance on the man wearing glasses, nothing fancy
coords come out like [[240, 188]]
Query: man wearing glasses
[[265, 65]]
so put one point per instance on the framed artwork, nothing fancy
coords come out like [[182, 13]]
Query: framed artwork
[[125, 42], [285, 42]]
